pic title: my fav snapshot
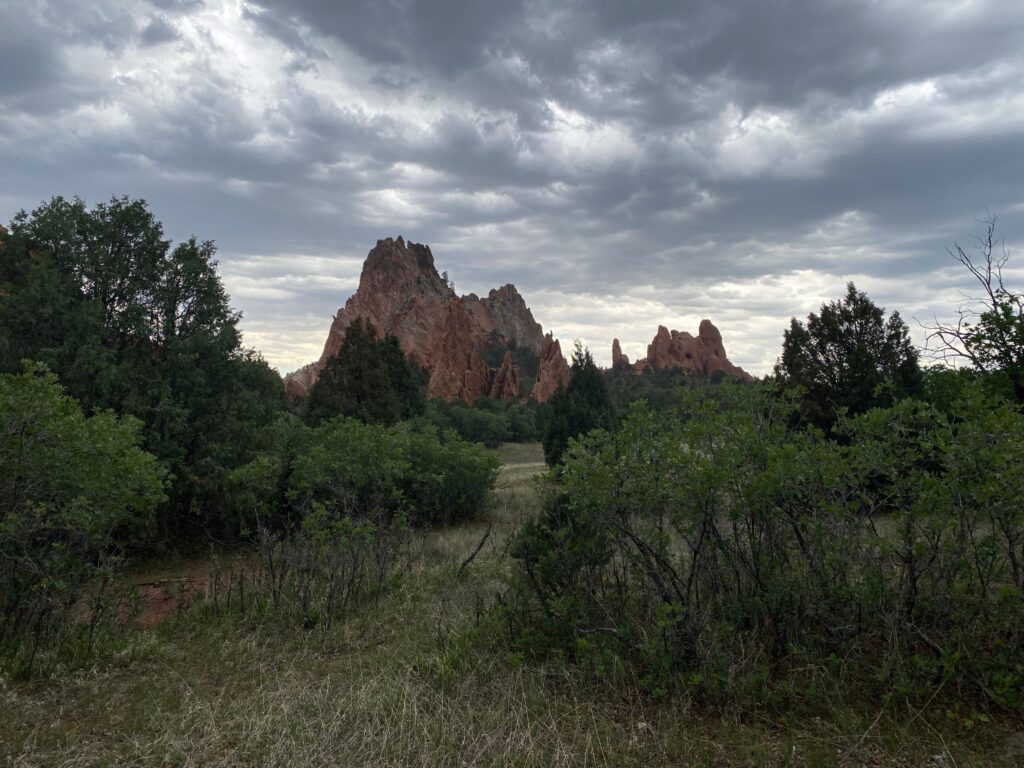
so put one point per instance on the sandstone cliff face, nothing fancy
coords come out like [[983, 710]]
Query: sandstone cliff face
[[703, 354], [505, 382], [401, 293], [504, 312], [297, 383], [554, 371]]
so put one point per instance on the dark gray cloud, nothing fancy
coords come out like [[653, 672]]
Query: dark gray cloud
[[159, 30], [625, 164]]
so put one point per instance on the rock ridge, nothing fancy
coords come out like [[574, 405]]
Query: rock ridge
[[401, 293], [702, 355]]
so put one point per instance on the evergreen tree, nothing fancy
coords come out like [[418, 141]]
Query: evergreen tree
[[130, 324], [584, 405], [849, 357], [369, 379]]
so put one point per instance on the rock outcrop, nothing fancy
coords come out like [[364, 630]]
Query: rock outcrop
[[401, 293], [703, 354], [297, 383], [553, 372], [504, 312], [619, 360], [505, 382]]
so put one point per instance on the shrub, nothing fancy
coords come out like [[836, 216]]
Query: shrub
[[330, 566], [712, 547], [491, 422], [364, 470], [71, 487]]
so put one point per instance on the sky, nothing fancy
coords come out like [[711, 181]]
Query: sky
[[624, 164]]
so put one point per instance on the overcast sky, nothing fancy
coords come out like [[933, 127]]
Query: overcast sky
[[625, 164]]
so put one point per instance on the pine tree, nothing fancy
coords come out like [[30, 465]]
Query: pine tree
[[584, 405], [368, 379], [849, 357]]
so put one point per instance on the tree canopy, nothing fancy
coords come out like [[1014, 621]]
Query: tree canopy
[[369, 379], [582, 406], [849, 356], [130, 323], [71, 487]]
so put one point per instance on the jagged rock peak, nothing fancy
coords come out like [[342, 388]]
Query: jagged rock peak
[[703, 354], [401, 293], [554, 370], [504, 312], [619, 360]]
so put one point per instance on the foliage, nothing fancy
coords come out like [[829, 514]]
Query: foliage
[[360, 470], [329, 567], [659, 389], [848, 357], [715, 549], [71, 487], [989, 331], [369, 379], [347, 469], [131, 324], [582, 406], [487, 421]]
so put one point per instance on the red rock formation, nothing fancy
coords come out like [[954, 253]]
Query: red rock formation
[[401, 293], [619, 360], [505, 382], [297, 383], [554, 371], [703, 355], [504, 313], [456, 368]]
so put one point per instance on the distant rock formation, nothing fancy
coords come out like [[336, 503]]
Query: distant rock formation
[[703, 355], [554, 371], [451, 337], [619, 360], [297, 383], [505, 313]]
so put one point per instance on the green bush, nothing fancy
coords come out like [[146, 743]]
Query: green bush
[[71, 487], [487, 421], [364, 470], [714, 548]]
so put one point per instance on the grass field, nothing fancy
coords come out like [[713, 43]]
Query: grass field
[[399, 684]]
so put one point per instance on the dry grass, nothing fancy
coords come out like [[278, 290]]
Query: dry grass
[[398, 685]]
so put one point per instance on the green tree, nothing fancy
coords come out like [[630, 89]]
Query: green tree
[[849, 356], [369, 379], [71, 488], [989, 331], [582, 406], [131, 324]]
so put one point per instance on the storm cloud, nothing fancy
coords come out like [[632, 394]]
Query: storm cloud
[[624, 164]]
